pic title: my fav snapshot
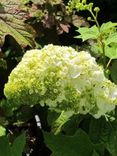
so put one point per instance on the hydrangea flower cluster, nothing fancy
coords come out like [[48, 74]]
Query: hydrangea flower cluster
[[63, 79]]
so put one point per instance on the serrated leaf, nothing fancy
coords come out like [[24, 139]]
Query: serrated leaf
[[106, 26], [102, 131], [88, 33], [111, 39], [18, 145], [12, 23], [76, 145], [111, 52], [15, 149]]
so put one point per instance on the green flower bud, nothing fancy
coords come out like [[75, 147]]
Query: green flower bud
[[96, 9], [89, 19], [84, 1], [90, 5]]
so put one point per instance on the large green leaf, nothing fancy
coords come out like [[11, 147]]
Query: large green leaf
[[105, 132], [76, 145], [88, 33], [5, 149], [111, 39], [12, 23], [72, 125], [15, 149], [106, 26], [18, 145], [111, 52]]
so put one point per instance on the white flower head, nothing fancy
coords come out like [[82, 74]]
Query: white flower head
[[62, 78]]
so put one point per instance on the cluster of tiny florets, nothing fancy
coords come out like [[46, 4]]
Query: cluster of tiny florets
[[61, 78]]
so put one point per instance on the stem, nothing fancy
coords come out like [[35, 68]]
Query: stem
[[101, 37], [108, 63], [103, 50], [95, 19]]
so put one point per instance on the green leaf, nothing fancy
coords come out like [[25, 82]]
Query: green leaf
[[113, 70], [15, 149], [5, 149], [12, 23], [111, 52], [96, 49], [105, 132], [111, 145], [111, 39], [106, 26], [88, 33], [72, 125], [2, 131], [76, 145], [58, 120], [18, 145]]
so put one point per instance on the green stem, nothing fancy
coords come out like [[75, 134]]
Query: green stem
[[103, 51], [101, 37], [108, 63], [95, 19]]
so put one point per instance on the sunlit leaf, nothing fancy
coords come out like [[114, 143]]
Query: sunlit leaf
[[12, 23], [111, 39], [88, 33], [111, 52], [106, 26]]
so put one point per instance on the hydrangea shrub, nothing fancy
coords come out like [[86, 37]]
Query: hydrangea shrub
[[61, 78]]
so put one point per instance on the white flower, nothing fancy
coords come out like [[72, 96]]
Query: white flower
[[62, 78]]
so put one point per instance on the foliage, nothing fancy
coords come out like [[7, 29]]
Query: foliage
[[12, 23], [98, 137], [16, 148], [64, 94], [105, 133], [105, 36], [78, 144]]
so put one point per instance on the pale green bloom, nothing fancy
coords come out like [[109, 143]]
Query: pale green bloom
[[62, 78]]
